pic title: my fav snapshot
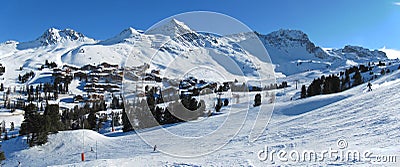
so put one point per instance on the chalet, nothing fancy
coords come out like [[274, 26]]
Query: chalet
[[96, 97], [101, 87], [97, 70], [107, 65], [73, 68], [108, 70], [80, 74], [88, 67]]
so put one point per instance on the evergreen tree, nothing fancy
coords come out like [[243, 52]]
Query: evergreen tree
[[357, 78], [2, 156], [92, 120], [53, 118], [127, 126], [12, 126], [218, 106], [346, 79], [257, 100], [226, 102], [303, 92], [34, 125]]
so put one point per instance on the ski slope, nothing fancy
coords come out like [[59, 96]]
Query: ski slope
[[366, 120]]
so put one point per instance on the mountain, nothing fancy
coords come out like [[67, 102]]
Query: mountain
[[128, 35], [287, 39], [53, 36], [291, 51], [359, 53], [172, 28]]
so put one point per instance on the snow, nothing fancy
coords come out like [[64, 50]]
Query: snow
[[363, 119], [173, 28], [16, 117], [366, 120], [391, 53]]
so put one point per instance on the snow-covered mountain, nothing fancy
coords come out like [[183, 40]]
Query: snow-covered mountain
[[367, 121], [55, 36], [359, 53], [291, 51], [172, 28], [128, 35]]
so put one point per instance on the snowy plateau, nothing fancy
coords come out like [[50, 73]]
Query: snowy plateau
[[363, 120]]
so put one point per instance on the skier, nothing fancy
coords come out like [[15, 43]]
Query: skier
[[155, 148], [369, 86]]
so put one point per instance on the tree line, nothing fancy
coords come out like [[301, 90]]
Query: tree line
[[335, 83]]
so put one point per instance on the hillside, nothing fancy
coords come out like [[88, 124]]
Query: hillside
[[362, 119]]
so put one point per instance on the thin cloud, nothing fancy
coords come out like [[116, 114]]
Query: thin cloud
[[397, 3]]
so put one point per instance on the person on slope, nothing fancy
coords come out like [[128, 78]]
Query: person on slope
[[369, 86]]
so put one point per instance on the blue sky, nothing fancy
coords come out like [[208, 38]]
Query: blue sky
[[369, 23]]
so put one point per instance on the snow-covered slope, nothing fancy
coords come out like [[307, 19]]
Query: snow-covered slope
[[366, 121]]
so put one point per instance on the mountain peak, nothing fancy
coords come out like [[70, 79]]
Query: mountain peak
[[172, 28], [362, 52], [285, 38], [129, 32], [53, 36], [291, 35], [127, 35]]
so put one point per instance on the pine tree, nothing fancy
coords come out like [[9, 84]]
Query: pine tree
[[36, 125], [53, 118], [226, 102], [2, 156], [92, 120], [357, 78], [303, 92], [127, 126], [12, 126], [257, 100], [335, 84], [218, 106]]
